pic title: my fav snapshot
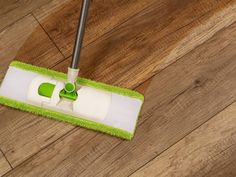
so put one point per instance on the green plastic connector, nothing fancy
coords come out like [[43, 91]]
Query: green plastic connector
[[71, 96], [69, 87], [69, 92], [46, 89]]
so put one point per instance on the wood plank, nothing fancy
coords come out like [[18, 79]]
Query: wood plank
[[153, 39], [24, 134], [12, 10], [179, 99], [26, 41], [4, 165], [61, 24], [204, 152], [189, 92]]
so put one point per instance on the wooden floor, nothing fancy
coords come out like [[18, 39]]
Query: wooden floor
[[181, 54]]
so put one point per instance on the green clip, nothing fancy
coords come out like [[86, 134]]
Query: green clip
[[46, 89]]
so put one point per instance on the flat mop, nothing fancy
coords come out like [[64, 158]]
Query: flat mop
[[69, 98]]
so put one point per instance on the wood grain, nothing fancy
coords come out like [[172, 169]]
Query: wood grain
[[4, 165], [61, 24], [206, 87], [26, 41], [12, 10], [179, 99], [209, 149], [153, 39], [23, 134]]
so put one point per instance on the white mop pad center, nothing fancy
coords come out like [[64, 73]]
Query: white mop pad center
[[90, 103]]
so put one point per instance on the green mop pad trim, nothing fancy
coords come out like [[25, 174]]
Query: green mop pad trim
[[68, 118]]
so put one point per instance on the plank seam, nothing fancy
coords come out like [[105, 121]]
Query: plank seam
[[17, 20], [182, 138], [31, 156], [49, 36], [212, 158], [6, 159]]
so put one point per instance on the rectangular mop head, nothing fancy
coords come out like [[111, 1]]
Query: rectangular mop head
[[97, 106]]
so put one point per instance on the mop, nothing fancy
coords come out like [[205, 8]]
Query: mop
[[69, 98]]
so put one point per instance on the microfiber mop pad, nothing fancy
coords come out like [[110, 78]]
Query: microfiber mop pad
[[122, 112]]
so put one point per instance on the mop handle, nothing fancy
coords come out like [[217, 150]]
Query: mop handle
[[80, 34]]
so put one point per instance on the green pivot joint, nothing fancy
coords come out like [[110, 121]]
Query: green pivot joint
[[69, 87], [69, 91]]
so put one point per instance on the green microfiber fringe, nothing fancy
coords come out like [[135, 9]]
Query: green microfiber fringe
[[66, 118], [81, 81]]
